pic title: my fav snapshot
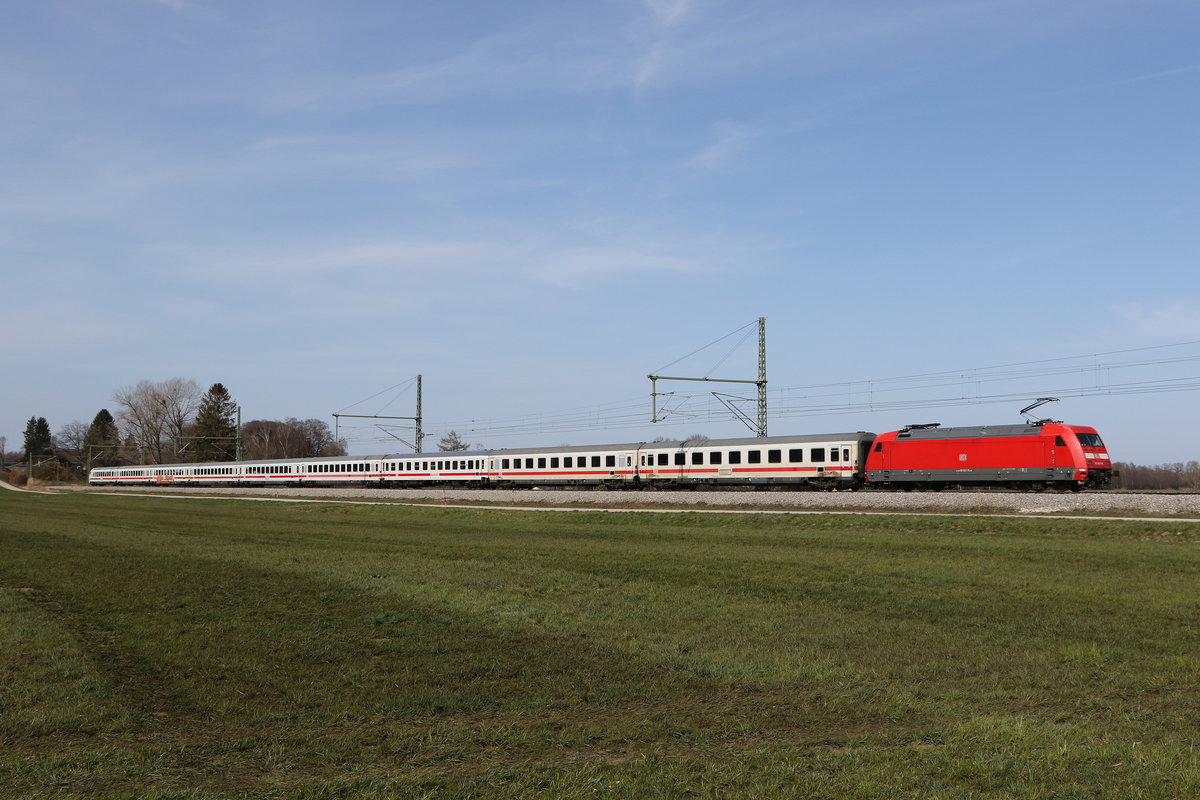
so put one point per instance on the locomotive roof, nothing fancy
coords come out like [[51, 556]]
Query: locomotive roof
[[970, 432]]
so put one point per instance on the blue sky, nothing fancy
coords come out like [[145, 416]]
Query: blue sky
[[534, 204]]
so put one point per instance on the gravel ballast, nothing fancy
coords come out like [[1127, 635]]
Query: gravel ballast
[[1020, 502]]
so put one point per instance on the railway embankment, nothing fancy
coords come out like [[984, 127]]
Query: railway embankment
[[1164, 505]]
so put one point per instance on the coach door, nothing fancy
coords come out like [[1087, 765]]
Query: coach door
[[627, 466]]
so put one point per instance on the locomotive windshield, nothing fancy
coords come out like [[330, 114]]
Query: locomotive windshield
[[1090, 439]]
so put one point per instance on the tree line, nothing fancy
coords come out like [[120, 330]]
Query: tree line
[[172, 421], [1160, 476]]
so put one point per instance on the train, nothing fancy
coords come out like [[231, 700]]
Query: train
[[1028, 457]]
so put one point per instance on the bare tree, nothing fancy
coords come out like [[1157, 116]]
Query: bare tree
[[154, 413], [452, 442], [1160, 476], [318, 439], [289, 438], [73, 438]]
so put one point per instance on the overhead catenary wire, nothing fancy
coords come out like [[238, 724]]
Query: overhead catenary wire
[[705, 347], [1094, 375], [404, 384]]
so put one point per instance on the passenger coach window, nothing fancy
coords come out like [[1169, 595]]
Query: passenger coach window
[[775, 456], [610, 461], [554, 463], [715, 457], [697, 457], [568, 462], [595, 461], [541, 463], [755, 456], [833, 454], [796, 455], [679, 459], [817, 454], [662, 459], [735, 456]]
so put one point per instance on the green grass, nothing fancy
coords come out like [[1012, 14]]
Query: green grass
[[158, 648]]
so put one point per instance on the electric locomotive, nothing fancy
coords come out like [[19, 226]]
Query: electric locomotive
[[1022, 457]]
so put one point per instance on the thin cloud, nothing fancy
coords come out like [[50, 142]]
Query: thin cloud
[[1173, 320], [729, 140], [669, 12], [558, 263], [578, 267]]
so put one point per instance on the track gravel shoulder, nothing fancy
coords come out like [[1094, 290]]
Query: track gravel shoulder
[[1163, 505]]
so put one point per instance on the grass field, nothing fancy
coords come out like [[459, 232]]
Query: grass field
[[158, 648]]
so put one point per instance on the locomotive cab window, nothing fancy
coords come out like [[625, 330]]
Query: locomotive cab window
[[1058, 442]]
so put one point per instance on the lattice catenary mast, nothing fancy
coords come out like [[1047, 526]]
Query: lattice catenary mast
[[760, 428]]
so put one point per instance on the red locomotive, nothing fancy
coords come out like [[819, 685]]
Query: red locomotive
[[1039, 456]]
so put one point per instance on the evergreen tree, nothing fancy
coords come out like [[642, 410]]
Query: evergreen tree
[[37, 437], [216, 424], [102, 440]]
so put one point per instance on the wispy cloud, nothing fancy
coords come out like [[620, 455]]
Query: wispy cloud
[[576, 267], [1180, 319], [729, 139], [1152, 76], [559, 263], [669, 12]]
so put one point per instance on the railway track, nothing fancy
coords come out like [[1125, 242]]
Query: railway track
[[1149, 504]]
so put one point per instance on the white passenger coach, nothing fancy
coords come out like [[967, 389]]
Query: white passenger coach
[[819, 461]]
